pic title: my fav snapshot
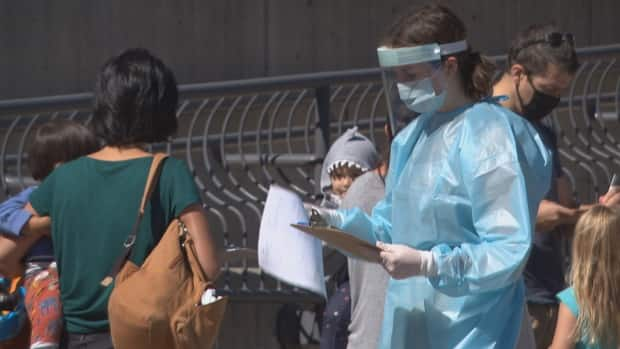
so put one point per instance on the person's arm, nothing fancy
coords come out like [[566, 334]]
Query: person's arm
[[179, 194], [402, 261], [9, 266], [552, 214], [503, 219], [37, 225], [14, 248], [378, 225], [23, 229], [14, 217], [565, 192], [564, 329], [198, 227], [372, 228], [12, 251]]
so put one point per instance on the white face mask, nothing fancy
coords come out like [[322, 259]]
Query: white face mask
[[420, 96]]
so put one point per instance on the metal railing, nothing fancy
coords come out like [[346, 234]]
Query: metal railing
[[238, 137]]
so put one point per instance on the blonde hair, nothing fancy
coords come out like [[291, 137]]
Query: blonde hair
[[595, 275]]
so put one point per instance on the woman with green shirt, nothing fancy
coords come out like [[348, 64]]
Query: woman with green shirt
[[93, 200]]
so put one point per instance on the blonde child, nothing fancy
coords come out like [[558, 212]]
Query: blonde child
[[589, 315]]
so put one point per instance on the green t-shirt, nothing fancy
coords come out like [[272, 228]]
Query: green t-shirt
[[93, 205]]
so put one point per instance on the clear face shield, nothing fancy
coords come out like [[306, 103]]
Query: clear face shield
[[411, 82]]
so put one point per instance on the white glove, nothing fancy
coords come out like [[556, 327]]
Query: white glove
[[320, 216], [402, 261]]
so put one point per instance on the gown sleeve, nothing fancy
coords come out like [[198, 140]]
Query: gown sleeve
[[502, 217], [372, 228]]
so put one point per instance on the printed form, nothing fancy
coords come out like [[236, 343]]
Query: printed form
[[285, 252]]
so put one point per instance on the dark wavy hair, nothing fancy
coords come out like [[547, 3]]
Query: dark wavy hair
[[136, 98]]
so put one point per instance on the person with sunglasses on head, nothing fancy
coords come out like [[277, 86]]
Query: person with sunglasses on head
[[542, 63], [464, 181]]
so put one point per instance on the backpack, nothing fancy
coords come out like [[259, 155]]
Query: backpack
[[13, 316]]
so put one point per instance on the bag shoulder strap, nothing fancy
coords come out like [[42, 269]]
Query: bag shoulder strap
[[149, 186], [151, 180]]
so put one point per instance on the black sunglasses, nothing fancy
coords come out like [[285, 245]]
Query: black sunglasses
[[554, 39]]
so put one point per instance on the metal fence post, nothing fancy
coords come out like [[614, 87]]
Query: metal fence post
[[322, 131]]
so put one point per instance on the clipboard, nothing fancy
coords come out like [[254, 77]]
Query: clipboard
[[337, 238]]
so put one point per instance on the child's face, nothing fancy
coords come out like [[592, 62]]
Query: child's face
[[340, 184]]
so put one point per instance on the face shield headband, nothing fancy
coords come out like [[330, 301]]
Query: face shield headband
[[390, 59]]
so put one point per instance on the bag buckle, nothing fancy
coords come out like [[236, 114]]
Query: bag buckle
[[129, 241]]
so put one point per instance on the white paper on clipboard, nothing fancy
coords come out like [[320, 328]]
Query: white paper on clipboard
[[285, 252]]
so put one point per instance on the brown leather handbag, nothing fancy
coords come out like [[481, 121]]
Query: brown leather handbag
[[158, 305]]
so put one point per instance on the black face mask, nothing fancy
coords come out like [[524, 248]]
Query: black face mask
[[540, 106]]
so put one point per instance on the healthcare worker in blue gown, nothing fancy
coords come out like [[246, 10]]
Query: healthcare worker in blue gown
[[462, 192]]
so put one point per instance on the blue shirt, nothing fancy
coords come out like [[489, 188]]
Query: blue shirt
[[567, 297], [13, 218]]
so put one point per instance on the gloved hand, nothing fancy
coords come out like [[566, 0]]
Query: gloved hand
[[320, 216], [402, 261]]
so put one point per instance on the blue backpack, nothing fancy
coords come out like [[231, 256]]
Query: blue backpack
[[13, 314]]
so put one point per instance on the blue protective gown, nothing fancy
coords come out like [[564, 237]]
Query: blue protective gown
[[465, 185]]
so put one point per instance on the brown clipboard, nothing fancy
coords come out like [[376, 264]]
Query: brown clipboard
[[347, 243]]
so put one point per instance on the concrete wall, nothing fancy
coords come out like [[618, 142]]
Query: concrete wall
[[56, 47]]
